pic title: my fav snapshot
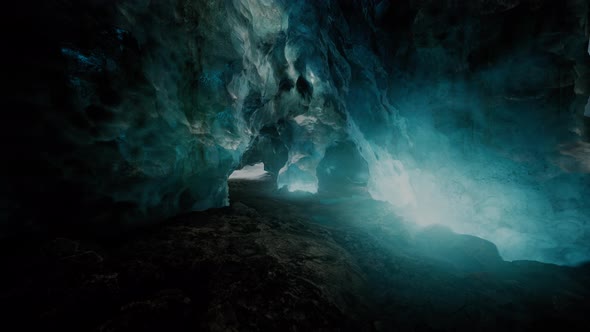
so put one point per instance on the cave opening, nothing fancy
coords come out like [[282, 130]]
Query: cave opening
[[249, 172]]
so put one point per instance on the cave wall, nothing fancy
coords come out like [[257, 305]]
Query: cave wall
[[493, 97], [469, 114], [138, 110]]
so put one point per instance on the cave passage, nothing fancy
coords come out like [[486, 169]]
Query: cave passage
[[298, 144], [249, 172], [462, 115]]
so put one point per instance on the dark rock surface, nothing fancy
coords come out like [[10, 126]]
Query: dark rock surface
[[321, 263]]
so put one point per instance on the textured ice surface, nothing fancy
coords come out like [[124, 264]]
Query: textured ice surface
[[477, 128], [445, 154], [442, 156]]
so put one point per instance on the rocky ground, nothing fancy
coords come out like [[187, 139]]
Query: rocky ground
[[274, 261]]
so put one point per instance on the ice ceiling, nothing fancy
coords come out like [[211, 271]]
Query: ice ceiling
[[468, 115]]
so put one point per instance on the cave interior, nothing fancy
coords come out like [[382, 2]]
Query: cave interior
[[279, 165]]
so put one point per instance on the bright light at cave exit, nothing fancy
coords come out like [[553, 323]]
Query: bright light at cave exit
[[249, 172], [303, 187]]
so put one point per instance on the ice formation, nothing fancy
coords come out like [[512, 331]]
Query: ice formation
[[446, 125]]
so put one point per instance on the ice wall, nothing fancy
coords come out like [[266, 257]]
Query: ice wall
[[142, 109], [478, 129], [466, 114], [490, 108]]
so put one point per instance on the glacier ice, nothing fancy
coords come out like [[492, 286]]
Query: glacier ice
[[449, 121]]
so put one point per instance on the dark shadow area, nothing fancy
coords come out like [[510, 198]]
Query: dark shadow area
[[325, 262]]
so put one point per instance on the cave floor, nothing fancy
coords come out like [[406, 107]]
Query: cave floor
[[275, 261]]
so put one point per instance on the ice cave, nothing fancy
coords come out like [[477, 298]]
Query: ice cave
[[296, 165]]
